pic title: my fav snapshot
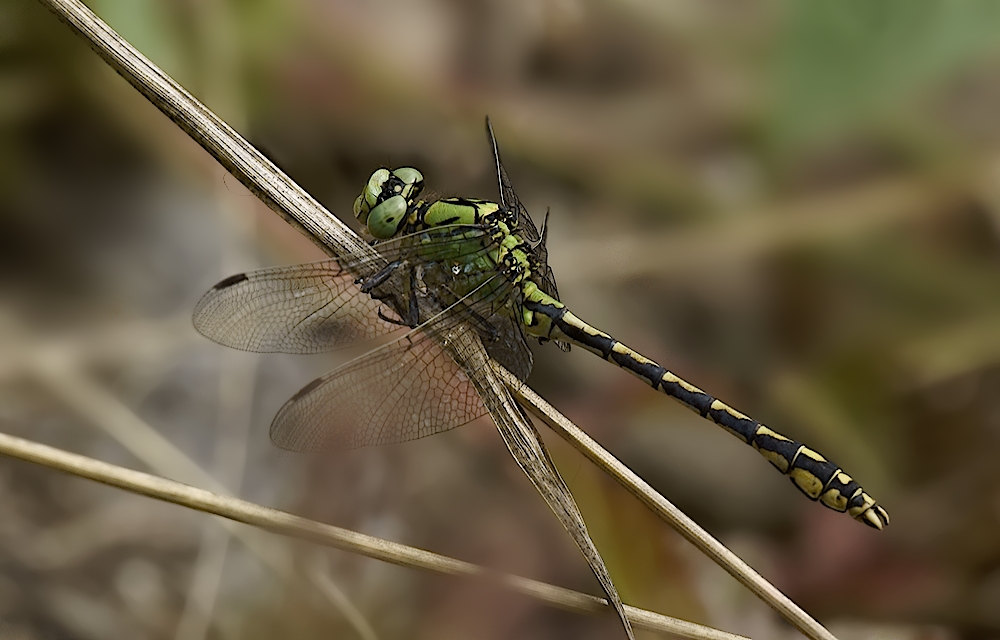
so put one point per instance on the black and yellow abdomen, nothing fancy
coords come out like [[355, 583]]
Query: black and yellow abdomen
[[814, 475]]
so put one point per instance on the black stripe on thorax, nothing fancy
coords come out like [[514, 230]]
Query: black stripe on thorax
[[465, 202], [418, 211]]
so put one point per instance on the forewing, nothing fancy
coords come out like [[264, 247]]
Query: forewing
[[404, 390], [306, 308], [439, 243], [508, 198], [317, 307], [509, 346], [525, 225]]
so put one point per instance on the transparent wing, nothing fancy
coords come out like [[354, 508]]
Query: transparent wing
[[507, 196], [306, 308], [317, 307], [525, 225], [508, 345], [453, 242], [403, 390]]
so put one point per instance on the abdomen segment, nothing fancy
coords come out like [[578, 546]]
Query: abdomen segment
[[809, 470]]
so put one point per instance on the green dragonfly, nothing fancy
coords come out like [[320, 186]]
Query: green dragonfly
[[443, 263]]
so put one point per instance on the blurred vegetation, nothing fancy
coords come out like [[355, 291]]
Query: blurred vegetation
[[794, 205]]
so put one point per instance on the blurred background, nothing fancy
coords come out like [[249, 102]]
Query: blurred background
[[795, 206]]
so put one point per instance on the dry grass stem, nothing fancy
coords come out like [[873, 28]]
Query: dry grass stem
[[103, 410], [328, 535], [58, 367], [666, 511], [301, 210]]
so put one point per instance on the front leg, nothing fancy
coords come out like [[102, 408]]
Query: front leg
[[386, 318], [404, 297], [383, 274]]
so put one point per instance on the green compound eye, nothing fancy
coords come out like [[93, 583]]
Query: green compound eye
[[374, 188], [361, 209], [386, 219], [413, 182]]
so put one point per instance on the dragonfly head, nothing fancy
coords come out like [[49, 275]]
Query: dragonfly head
[[382, 205]]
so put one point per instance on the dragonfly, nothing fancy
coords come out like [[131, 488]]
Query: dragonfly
[[443, 263]]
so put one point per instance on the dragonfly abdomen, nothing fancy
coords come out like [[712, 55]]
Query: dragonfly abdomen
[[814, 475]]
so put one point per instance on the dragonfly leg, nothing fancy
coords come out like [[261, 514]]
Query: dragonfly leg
[[411, 318], [367, 284], [386, 318]]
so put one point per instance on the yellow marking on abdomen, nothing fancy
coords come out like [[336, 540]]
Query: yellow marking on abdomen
[[764, 431], [866, 504], [719, 405], [806, 451], [807, 482], [635, 355], [774, 458], [570, 319], [669, 377]]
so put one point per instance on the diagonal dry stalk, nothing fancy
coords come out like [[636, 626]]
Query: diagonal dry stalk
[[528, 450], [303, 212], [328, 535], [297, 207], [59, 372], [664, 509]]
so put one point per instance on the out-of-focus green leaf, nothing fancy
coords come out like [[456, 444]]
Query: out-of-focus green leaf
[[146, 24], [842, 63]]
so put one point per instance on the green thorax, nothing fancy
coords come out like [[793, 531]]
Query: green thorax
[[507, 252], [389, 208], [510, 253], [447, 211]]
